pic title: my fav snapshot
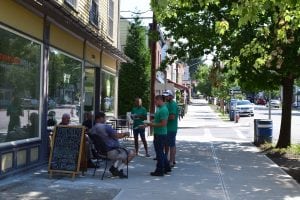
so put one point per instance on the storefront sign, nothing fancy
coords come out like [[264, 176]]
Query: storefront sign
[[10, 59]]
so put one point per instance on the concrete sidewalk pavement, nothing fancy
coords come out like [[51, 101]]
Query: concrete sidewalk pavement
[[205, 169]]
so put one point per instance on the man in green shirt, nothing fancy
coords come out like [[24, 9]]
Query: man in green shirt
[[172, 126], [139, 114], [160, 137]]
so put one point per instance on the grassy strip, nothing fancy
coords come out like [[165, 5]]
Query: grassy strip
[[291, 151], [221, 115]]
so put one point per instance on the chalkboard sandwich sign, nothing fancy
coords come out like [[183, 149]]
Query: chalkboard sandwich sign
[[67, 145]]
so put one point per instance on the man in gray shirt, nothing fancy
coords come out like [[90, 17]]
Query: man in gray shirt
[[110, 137]]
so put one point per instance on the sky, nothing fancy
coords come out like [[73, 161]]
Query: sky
[[136, 6]]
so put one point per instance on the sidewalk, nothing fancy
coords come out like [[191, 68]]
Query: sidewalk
[[205, 170]]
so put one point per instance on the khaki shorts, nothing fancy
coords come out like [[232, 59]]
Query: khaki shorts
[[119, 154]]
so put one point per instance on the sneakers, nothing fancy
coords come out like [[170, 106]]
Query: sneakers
[[167, 170], [157, 173], [147, 155], [121, 174], [114, 171]]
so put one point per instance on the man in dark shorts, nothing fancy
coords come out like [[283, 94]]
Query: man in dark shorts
[[139, 114], [172, 126]]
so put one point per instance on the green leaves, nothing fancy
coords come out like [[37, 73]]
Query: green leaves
[[221, 27], [134, 77]]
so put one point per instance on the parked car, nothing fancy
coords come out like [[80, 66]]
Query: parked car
[[230, 105], [261, 101], [274, 103], [245, 108], [29, 103], [51, 103]]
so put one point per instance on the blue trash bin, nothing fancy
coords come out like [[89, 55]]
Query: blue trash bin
[[231, 115], [262, 131], [255, 131]]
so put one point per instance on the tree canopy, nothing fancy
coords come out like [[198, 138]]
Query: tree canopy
[[258, 39]]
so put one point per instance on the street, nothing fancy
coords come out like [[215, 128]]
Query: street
[[262, 112]]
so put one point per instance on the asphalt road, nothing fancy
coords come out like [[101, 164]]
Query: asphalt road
[[262, 112]]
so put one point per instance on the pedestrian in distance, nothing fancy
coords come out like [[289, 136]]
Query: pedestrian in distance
[[160, 136], [172, 126], [139, 114]]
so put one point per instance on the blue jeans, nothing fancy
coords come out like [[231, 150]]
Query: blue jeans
[[162, 162], [139, 131]]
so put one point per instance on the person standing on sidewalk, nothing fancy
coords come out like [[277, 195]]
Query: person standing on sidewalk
[[139, 113], [172, 126], [160, 136]]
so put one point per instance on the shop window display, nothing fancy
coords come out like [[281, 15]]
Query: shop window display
[[65, 83], [20, 63], [107, 93]]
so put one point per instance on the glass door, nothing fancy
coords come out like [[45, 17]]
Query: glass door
[[89, 102]]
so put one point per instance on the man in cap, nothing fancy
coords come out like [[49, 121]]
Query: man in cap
[[172, 126], [160, 137]]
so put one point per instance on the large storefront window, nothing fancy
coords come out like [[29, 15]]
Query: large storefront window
[[65, 79], [107, 93], [20, 61]]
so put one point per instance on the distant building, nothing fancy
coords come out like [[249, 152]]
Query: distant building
[[124, 30]]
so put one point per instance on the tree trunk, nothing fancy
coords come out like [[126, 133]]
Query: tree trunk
[[285, 129], [222, 106]]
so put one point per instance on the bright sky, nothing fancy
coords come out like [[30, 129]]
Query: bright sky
[[136, 6]]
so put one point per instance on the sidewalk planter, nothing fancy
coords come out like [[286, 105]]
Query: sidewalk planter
[[262, 131]]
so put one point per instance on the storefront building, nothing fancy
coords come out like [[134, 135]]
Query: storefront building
[[56, 57]]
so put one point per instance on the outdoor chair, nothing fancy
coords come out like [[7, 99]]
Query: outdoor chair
[[100, 153]]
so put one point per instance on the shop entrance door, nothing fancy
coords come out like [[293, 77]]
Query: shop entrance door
[[89, 89]]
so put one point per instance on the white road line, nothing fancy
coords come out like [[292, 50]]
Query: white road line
[[240, 134]]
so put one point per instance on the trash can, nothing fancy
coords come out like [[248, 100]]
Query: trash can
[[232, 114], [255, 131], [262, 131]]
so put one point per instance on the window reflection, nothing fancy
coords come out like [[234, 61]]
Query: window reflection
[[107, 93], [65, 76], [20, 61]]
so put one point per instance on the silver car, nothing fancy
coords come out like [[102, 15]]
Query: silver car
[[245, 108], [274, 103]]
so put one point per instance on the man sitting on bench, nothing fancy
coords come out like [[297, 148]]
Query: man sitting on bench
[[110, 137]]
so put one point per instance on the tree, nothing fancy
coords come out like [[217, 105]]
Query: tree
[[134, 77], [202, 76], [274, 50], [257, 39]]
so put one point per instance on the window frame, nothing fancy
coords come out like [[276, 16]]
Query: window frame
[[63, 52], [41, 80], [110, 18], [69, 3], [91, 14]]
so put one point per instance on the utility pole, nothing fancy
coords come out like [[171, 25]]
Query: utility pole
[[153, 64]]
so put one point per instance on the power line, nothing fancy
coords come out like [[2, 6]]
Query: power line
[[135, 17], [137, 13]]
